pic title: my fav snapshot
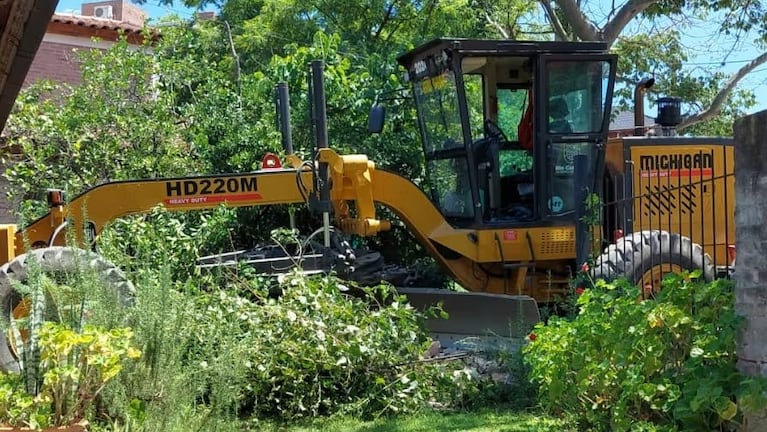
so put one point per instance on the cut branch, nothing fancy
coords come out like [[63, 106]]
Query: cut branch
[[716, 105]]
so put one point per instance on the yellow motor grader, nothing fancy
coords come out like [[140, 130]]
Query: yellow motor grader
[[515, 139]]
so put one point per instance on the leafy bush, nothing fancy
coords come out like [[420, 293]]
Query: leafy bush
[[75, 365], [668, 361], [19, 408], [68, 334], [314, 351], [158, 240], [223, 346], [113, 126], [154, 393]]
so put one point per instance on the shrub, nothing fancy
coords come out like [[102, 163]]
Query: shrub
[[314, 351], [157, 241], [75, 365], [668, 361], [70, 338]]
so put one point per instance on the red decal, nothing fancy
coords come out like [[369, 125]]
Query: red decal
[[696, 172], [211, 199], [509, 235], [271, 161]]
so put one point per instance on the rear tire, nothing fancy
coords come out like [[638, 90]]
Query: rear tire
[[52, 260], [646, 257]]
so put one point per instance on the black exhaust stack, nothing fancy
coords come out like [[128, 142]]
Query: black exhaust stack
[[669, 114]]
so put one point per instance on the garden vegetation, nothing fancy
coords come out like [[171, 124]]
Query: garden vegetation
[[230, 349]]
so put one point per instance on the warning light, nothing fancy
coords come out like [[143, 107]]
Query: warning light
[[55, 197], [271, 161]]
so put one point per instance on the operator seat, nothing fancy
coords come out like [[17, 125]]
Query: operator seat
[[558, 110], [486, 153]]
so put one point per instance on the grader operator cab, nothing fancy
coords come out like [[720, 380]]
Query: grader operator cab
[[503, 124], [514, 136]]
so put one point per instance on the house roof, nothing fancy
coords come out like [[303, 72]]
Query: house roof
[[22, 26], [102, 28], [95, 23], [624, 120]]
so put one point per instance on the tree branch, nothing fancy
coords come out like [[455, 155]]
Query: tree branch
[[384, 21], [496, 25], [716, 105], [580, 24], [556, 24], [628, 12]]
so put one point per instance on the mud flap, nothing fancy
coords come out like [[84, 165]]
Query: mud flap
[[493, 318]]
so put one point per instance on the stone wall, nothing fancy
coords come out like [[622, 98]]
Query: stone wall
[[751, 247]]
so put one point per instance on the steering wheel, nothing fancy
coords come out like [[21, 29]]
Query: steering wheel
[[494, 132]]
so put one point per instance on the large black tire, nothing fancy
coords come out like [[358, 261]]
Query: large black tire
[[53, 260], [634, 255]]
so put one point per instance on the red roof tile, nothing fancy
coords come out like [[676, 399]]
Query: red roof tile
[[96, 23]]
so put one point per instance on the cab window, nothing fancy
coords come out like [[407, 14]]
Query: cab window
[[512, 103]]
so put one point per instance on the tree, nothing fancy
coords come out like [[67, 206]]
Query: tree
[[647, 34], [115, 126]]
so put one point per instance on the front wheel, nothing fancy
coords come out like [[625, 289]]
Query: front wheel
[[646, 257], [50, 261]]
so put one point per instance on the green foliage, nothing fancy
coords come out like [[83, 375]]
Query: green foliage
[[667, 361], [159, 240], [314, 351], [380, 26], [69, 337], [649, 42], [154, 392], [223, 347], [749, 16], [663, 56], [113, 126], [75, 365], [19, 408]]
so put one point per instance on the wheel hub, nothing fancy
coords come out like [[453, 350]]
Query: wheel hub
[[652, 279]]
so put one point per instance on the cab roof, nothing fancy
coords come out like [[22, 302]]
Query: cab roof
[[499, 47]]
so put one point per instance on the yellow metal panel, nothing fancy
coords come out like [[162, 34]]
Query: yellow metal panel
[[113, 200], [7, 242], [687, 188], [614, 159]]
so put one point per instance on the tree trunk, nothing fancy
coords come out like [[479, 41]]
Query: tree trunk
[[751, 247]]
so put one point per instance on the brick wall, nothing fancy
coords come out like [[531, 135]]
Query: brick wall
[[55, 61]]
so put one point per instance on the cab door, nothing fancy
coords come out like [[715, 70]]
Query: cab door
[[572, 118]]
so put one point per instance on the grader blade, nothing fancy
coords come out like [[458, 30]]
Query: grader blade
[[490, 318]]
